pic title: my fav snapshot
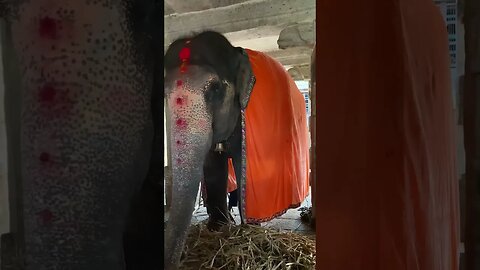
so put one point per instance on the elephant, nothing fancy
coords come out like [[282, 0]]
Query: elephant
[[83, 117], [229, 102]]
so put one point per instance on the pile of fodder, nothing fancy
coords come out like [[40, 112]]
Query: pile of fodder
[[247, 247]]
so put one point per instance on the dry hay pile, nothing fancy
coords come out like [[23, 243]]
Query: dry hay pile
[[247, 247]]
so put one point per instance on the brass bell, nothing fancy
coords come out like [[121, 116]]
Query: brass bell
[[219, 147]]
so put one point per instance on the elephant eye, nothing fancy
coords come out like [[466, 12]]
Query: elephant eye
[[214, 92], [215, 87]]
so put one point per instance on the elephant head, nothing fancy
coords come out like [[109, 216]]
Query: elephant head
[[206, 83]]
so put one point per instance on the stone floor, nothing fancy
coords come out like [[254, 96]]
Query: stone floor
[[289, 221]]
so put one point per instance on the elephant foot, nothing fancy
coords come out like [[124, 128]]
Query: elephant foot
[[218, 218], [255, 224], [215, 225]]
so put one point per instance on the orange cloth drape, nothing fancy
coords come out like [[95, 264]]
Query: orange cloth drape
[[387, 189], [232, 181], [276, 141]]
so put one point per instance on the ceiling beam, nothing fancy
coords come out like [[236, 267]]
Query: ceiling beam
[[301, 34], [238, 17], [294, 51], [167, 9], [297, 56], [300, 72], [293, 60], [188, 6], [182, 6]]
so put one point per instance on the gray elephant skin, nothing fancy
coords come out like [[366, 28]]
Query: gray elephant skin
[[89, 147]]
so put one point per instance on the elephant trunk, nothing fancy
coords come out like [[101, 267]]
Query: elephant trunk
[[86, 128], [191, 138], [185, 187]]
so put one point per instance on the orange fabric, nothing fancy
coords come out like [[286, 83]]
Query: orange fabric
[[387, 190], [232, 181], [276, 141]]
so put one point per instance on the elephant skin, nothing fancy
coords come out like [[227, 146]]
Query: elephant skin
[[87, 126]]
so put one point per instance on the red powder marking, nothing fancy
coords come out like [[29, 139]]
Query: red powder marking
[[47, 93], [184, 54], [179, 83], [48, 28], [44, 157], [46, 216], [181, 123], [180, 101], [183, 68]]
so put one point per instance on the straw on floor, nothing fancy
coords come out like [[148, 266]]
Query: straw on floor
[[247, 247]]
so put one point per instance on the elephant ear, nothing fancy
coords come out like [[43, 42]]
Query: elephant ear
[[245, 78]]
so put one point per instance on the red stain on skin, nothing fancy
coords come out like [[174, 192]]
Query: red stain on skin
[[183, 68], [47, 93], [181, 123], [179, 101], [46, 216], [44, 157], [179, 83], [48, 28]]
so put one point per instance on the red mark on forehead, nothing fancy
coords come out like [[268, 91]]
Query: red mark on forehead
[[47, 28], [184, 57], [184, 54], [47, 93]]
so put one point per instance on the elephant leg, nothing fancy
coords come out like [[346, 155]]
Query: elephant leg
[[216, 175], [235, 150], [237, 166]]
